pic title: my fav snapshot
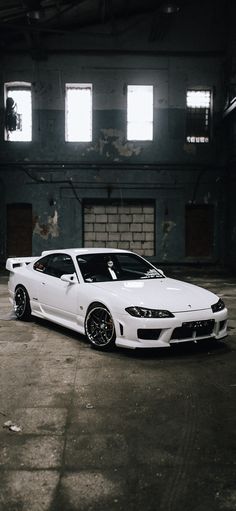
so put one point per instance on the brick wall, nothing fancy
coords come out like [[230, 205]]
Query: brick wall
[[128, 227]]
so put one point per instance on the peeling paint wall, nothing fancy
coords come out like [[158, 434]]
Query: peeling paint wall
[[167, 227], [48, 229], [59, 207], [60, 179]]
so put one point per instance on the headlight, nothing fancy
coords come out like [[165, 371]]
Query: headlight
[[140, 312], [219, 306]]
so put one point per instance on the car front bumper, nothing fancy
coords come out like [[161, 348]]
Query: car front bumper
[[192, 326]]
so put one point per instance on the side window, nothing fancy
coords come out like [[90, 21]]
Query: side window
[[55, 265], [18, 112], [42, 264], [61, 264]]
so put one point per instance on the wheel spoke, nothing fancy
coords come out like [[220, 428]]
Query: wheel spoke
[[20, 302], [100, 327]]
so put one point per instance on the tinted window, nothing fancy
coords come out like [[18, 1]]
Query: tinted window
[[55, 265], [115, 266], [42, 264]]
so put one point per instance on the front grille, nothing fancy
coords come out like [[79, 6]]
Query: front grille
[[194, 329], [149, 334]]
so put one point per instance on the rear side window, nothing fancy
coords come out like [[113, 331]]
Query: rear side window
[[55, 265], [42, 264]]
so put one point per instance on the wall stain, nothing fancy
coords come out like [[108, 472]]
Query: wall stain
[[49, 229], [112, 145], [167, 226]]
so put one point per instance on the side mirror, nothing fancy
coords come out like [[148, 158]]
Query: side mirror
[[161, 272], [69, 278]]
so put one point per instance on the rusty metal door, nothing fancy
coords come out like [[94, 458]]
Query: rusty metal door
[[19, 230], [199, 230]]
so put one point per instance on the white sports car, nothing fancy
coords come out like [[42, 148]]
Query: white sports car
[[113, 297]]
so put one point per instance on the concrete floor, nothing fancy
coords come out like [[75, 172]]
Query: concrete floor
[[126, 430]]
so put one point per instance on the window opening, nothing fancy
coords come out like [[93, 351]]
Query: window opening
[[19, 229], [18, 112], [78, 112], [55, 265], [198, 116], [140, 112]]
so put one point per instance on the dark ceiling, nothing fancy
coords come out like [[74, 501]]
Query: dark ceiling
[[30, 19], [71, 13]]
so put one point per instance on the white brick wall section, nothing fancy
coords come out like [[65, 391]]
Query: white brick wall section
[[149, 236], [129, 227], [123, 210], [99, 227], [126, 219], [102, 219], [99, 210], [88, 227], [112, 244], [89, 218], [126, 236], [149, 218], [113, 218], [148, 227], [139, 236], [124, 245], [136, 227], [148, 209], [138, 218], [101, 236], [111, 210], [122, 227], [89, 236], [114, 236]]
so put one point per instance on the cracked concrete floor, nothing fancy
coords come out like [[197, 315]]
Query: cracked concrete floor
[[126, 430]]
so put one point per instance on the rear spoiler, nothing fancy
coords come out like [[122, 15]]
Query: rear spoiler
[[17, 262]]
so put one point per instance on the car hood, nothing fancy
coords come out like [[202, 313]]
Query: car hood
[[167, 294]]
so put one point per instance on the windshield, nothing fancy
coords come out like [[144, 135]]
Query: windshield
[[115, 266]]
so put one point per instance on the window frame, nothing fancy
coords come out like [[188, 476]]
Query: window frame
[[78, 86], [18, 86], [128, 122], [196, 138], [49, 264]]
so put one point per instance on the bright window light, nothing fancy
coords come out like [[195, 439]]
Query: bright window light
[[198, 116], [140, 112], [78, 112], [198, 98], [22, 100]]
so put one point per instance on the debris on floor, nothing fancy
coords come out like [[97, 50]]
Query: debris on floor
[[12, 427]]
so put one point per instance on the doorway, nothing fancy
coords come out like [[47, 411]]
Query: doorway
[[19, 230], [199, 230]]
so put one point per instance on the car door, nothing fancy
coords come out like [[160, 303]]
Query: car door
[[57, 299]]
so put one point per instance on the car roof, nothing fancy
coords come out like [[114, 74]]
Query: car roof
[[80, 251]]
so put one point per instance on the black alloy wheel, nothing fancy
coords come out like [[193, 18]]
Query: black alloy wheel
[[99, 327], [22, 304]]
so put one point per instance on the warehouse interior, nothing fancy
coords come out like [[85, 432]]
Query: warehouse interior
[[150, 162], [117, 129]]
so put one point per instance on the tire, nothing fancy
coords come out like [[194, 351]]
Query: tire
[[99, 327], [22, 304]]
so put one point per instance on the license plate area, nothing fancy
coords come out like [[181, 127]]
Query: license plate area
[[194, 329]]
